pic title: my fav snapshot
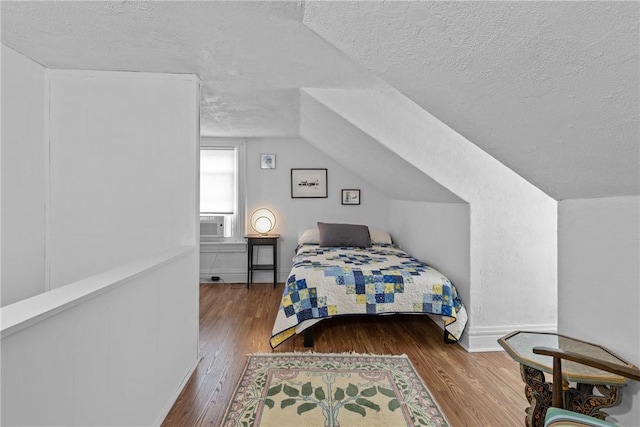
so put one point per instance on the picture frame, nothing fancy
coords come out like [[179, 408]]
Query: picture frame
[[350, 196], [308, 183], [267, 161]]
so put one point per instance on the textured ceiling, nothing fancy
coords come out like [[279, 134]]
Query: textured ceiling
[[252, 57], [551, 89]]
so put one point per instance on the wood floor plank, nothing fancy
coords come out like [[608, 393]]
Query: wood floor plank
[[473, 389]]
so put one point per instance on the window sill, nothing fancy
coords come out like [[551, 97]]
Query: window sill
[[224, 245]]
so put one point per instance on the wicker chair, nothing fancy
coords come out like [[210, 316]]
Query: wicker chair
[[559, 417]]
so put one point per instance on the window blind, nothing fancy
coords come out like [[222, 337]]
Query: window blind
[[217, 181]]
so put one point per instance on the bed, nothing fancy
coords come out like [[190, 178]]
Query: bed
[[337, 274]]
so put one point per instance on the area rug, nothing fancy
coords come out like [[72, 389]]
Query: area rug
[[331, 390]]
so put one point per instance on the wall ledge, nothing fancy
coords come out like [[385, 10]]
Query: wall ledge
[[22, 314], [124, 74]]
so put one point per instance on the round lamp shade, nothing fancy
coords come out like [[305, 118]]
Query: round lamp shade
[[263, 220]]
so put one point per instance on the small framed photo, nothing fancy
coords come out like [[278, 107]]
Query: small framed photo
[[267, 161], [350, 197], [308, 183]]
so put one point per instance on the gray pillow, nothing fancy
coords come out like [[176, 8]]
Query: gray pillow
[[344, 235]]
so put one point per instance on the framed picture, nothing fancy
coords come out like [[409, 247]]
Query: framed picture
[[267, 161], [308, 183], [350, 197]]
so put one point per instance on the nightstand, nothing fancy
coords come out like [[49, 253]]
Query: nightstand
[[254, 240]]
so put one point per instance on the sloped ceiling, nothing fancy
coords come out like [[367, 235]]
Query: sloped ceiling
[[551, 89]]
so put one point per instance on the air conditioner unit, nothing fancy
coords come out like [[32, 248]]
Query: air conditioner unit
[[212, 227]]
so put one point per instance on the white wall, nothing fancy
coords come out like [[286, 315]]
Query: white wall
[[513, 225], [437, 233], [599, 282], [24, 164], [122, 169], [122, 187], [271, 188], [117, 358]]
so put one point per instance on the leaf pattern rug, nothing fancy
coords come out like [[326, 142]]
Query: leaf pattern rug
[[331, 390]]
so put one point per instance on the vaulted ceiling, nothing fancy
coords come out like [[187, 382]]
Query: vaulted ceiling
[[551, 89]]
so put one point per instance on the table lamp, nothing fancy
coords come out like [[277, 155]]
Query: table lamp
[[263, 221]]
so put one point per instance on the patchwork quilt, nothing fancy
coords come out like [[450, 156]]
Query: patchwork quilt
[[383, 279]]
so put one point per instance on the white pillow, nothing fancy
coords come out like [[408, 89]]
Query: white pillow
[[309, 236], [379, 237], [312, 236]]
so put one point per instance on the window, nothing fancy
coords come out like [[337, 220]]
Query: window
[[221, 176]]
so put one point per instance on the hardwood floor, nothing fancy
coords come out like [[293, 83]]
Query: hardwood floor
[[473, 389]]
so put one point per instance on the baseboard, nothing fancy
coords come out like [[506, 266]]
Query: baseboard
[[485, 338], [240, 276], [174, 397]]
